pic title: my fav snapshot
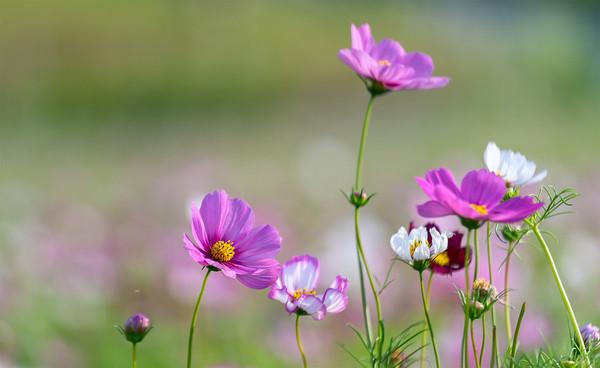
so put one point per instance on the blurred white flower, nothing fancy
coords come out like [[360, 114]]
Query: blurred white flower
[[513, 167]]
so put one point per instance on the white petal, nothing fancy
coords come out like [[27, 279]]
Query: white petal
[[399, 240], [536, 179], [421, 253], [491, 157]]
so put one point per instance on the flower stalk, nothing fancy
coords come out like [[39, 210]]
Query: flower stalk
[[299, 342], [195, 318], [133, 356], [464, 346], [426, 311], [362, 260], [491, 272], [561, 289], [506, 297], [424, 334]]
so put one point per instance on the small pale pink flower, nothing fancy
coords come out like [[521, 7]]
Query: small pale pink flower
[[225, 239], [296, 288]]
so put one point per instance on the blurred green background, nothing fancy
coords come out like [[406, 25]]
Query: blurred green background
[[116, 115]]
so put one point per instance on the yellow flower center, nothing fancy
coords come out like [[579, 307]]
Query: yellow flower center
[[222, 251], [442, 259], [479, 208], [384, 62], [414, 245], [298, 293]]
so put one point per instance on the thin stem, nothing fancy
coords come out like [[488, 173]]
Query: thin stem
[[133, 356], [483, 333], [362, 262], [494, 348], [491, 271], [513, 350], [363, 141], [561, 289], [476, 246], [474, 345], [424, 334], [464, 346], [194, 319], [507, 293], [361, 253], [426, 311], [363, 298], [299, 341]]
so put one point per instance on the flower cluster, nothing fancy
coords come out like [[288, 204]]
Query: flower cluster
[[224, 238]]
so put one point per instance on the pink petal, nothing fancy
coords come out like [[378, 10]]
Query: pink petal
[[300, 272], [197, 254], [262, 242], [433, 209], [261, 278], [214, 211], [335, 301], [361, 38]]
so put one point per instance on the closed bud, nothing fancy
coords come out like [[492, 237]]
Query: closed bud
[[135, 328]]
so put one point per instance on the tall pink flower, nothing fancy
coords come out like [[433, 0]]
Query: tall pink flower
[[385, 66], [479, 198], [225, 239], [296, 288]]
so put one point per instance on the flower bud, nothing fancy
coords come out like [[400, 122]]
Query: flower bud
[[359, 199], [590, 333], [135, 328]]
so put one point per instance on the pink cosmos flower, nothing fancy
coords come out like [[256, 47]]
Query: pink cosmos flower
[[225, 239], [478, 199], [386, 65], [295, 287]]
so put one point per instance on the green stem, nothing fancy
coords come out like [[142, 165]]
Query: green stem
[[361, 147], [424, 334], [299, 341], [476, 247], [491, 271], [379, 341], [474, 345], [194, 319], [426, 311], [494, 357], [561, 289], [362, 260], [483, 333], [507, 293], [133, 356], [464, 346], [515, 342], [363, 298]]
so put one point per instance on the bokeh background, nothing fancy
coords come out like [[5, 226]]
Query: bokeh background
[[116, 115]]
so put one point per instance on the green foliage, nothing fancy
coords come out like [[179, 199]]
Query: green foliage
[[397, 353]]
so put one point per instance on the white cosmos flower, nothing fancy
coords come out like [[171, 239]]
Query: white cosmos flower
[[416, 247], [513, 167]]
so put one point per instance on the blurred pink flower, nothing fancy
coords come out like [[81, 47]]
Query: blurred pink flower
[[386, 65]]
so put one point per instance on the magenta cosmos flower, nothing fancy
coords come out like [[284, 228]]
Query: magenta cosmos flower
[[225, 239], [295, 287], [385, 66], [478, 199]]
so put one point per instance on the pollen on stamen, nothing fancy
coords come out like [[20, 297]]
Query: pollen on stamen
[[384, 62], [300, 292], [222, 251], [480, 208]]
